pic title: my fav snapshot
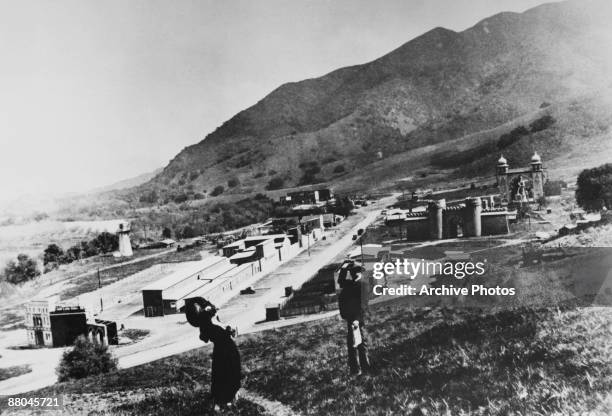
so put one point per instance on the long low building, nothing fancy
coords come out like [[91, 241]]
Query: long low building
[[163, 296]]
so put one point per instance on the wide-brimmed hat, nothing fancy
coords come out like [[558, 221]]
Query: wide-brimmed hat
[[196, 309]]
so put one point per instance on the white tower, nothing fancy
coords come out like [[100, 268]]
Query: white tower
[[125, 246]]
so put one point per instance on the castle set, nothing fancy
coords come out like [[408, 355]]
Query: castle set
[[476, 216]]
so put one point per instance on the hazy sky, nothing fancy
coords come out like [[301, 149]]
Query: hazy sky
[[92, 92]]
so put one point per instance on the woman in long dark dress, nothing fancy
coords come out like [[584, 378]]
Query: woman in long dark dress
[[226, 371]]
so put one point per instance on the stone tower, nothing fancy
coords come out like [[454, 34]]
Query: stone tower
[[125, 246], [537, 176], [502, 178], [435, 212], [472, 220]]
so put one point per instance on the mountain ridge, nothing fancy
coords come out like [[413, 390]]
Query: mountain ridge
[[436, 87]]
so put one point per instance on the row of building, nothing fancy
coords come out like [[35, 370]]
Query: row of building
[[220, 276]]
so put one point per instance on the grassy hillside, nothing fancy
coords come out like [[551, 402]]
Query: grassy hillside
[[522, 361]]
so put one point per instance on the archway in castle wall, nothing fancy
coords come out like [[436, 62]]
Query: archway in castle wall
[[454, 224], [96, 335], [455, 227]]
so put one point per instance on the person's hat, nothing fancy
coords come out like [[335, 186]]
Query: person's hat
[[196, 308]]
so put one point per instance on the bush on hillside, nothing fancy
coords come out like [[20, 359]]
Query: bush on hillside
[[233, 182], [217, 191], [53, 254], [339, 169], [275, 183], [106, 242], [594, 187], [85, 359], [22, 270], [507, 139], [542, 123]]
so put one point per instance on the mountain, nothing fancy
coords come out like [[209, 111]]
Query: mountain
[[130, 182], [441, 93]]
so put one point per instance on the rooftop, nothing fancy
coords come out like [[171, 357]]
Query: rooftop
[[207, 264]]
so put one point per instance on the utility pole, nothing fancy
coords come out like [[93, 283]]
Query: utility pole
[[99, 286]]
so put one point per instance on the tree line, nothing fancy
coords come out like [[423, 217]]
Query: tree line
[[26, 268]]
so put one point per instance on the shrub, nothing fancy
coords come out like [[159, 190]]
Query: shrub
[[188, 232], [594, 187], [53, 254], [22, 270], [73, 253], [310, 174], [507, 139], [85, 359], [217, 191], [106, 242], [339, 169], [275, 183], [233, 182], [542, 123], [180, 198]]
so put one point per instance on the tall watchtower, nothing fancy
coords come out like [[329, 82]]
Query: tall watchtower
[[125, 246], [537, 176], [502, 178]]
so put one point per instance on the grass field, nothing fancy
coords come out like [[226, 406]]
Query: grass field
[[440, 361]]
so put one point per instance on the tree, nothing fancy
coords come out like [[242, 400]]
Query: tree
[[217, 191], [233, 182], [275, 183], [85, 359], [542, 123], [106, 242], [188, 232], [22, 270], [166, 233], [74, 253], [344, 206], [89, 249], [53, 254], [594, 187]]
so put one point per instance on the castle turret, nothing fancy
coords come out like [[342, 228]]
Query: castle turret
[[502, 178], [502, 165], [536, 162], [537, 176], [473, 210], [435, 212]]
